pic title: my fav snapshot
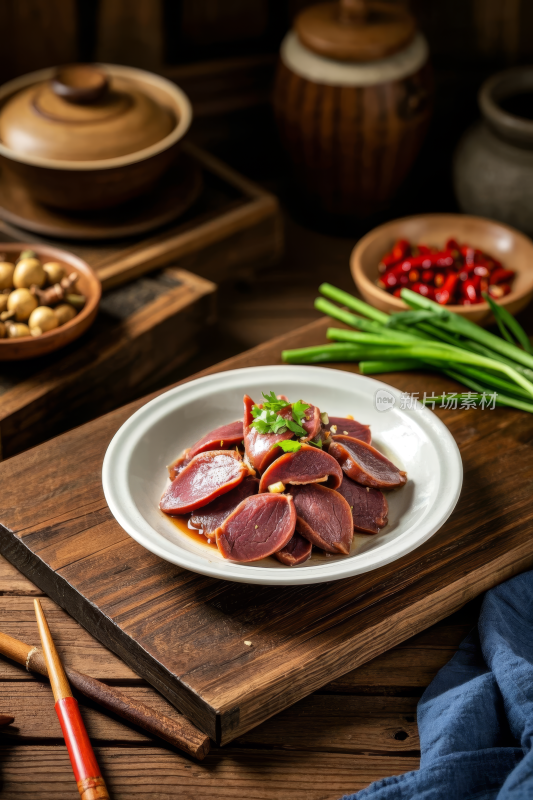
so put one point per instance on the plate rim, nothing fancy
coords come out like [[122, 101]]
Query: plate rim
[[442, 439]]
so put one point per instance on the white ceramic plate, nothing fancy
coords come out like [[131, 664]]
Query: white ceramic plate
[[134, 470]]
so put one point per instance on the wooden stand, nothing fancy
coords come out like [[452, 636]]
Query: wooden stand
[[234, 225], [143, 331]]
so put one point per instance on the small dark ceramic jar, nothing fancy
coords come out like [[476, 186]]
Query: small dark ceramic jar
[[493, 164]]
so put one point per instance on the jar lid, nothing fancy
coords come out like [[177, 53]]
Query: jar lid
[[355, 30], [82, 115]]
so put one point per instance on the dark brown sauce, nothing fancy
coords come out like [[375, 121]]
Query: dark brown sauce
[[181, 523], [519, 105]]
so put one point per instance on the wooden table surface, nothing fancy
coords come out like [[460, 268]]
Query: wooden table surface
[[357, 729]]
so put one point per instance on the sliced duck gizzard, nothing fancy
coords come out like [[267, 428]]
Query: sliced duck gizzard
[[258, 446], [364, 464], [369, 506], [323, 517], [179, 464], [210, 517], [297, 551], [205, 477], [312, 424], [349, 427], [259, 527], [224, 437], [307, 465]]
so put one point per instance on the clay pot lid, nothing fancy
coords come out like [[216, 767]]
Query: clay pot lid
[[83, 115], [355, 30]]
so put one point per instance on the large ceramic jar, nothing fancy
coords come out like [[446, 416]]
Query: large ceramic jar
[[352, 101], [493, 165]]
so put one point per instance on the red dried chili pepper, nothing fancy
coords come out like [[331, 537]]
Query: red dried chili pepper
[[471, 289], [445, 294], [387, 261], [401, 249], [424, 290], [457, 273], [468, 255], [501, 276], [426, 260]]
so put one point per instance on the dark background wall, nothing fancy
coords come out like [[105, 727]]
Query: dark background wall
[[169, 35], [223, 54]]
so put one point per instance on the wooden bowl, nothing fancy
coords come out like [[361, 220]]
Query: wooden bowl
[[88, 285], [509, 246], [106, 182]]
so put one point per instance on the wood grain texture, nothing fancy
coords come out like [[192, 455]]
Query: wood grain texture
[[141, 33], [185, 632], [320, 723], [77, 647], [176, 730], [13, 582], [45, 772], [41, 34], [405, 669]]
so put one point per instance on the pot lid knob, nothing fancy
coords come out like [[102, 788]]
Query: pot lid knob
[[353, 10], [80, 84], [355, 30]]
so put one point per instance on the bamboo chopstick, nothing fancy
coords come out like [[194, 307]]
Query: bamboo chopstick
[[6, 719], [177, 731], [91, 785]]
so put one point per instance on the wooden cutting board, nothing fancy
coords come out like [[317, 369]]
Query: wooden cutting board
[[185, 633]]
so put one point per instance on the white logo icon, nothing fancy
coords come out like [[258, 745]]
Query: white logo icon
[[384, 400]]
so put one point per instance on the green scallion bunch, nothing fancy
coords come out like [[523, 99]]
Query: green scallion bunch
[[428, 335]]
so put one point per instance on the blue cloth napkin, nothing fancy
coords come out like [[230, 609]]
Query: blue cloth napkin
[[476, 717]]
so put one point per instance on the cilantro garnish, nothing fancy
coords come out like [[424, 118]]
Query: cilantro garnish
[[272, 402], [288, 446], [268, 419]]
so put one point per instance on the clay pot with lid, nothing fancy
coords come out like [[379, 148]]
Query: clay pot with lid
[[352, 102], [90, 136], [493, 164]]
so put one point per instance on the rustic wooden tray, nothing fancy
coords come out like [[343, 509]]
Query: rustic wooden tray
[[143, 331], [185, 633], [234, 225]]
